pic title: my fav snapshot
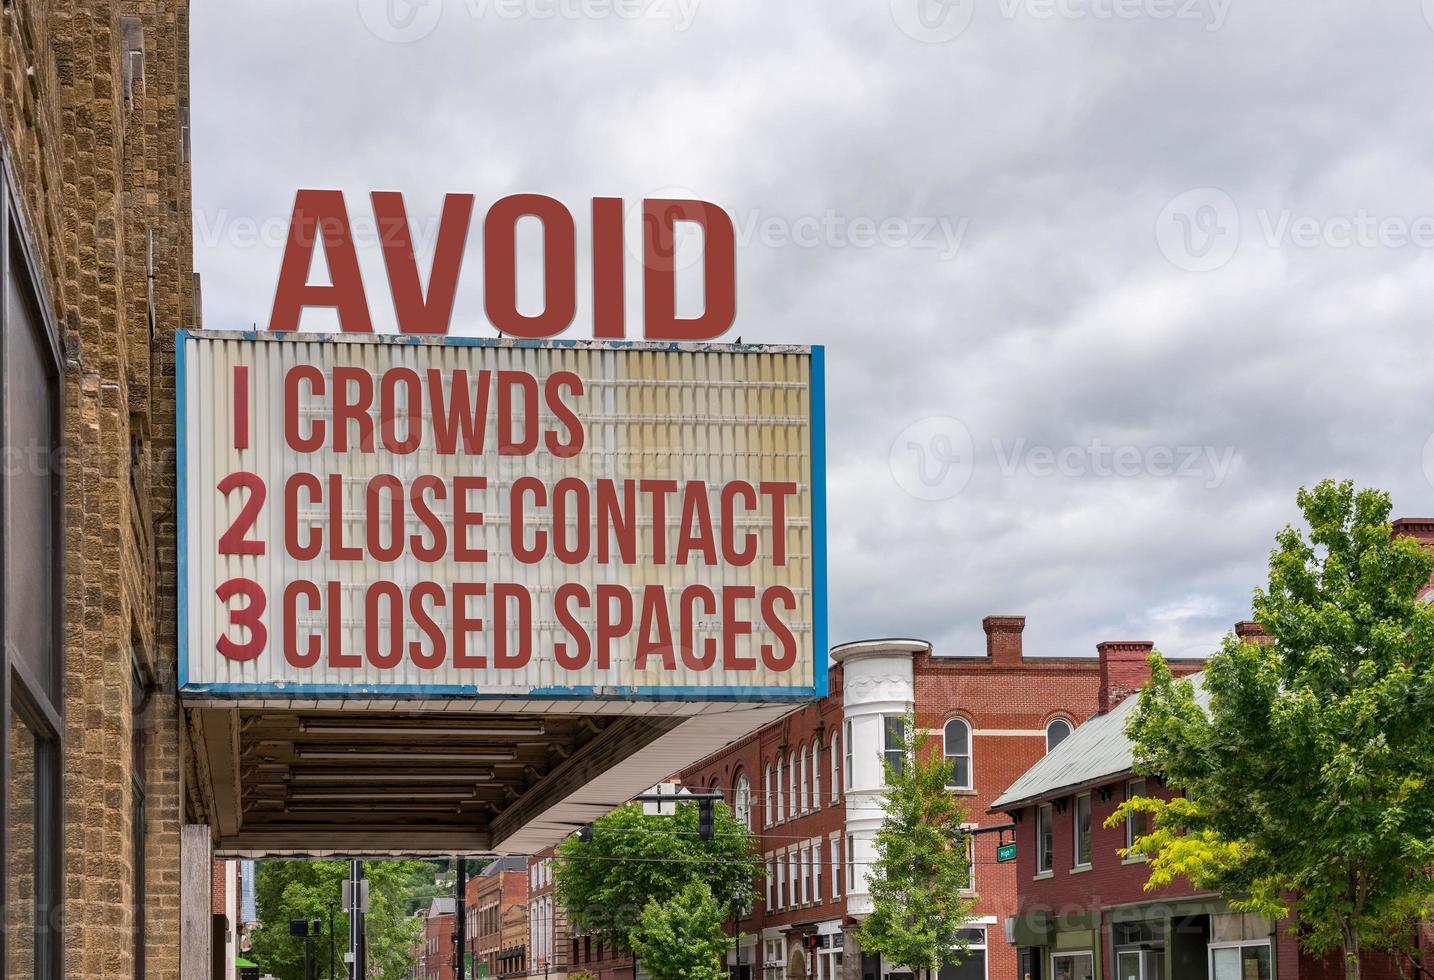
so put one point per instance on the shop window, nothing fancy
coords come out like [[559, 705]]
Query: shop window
[[1080, 826], [973, 964], [1057, 732], [1242, 961], [957, 741], [1045, 839], [1072, 966]]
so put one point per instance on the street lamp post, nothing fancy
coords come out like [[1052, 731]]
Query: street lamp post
[[332, 948]]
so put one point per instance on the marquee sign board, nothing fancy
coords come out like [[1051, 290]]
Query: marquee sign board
[[420, 518]]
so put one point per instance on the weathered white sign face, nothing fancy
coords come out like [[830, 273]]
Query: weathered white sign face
[[419, 518]]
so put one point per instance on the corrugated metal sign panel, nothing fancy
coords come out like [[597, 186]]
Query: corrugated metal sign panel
[[321, 478]]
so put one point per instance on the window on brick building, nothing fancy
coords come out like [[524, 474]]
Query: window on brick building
[[771, 880], [791, 810], [781, 881], [957, 740], [30, 648], [817, 862], [835, 753], [1045, 838], [1080, 825], [742, 801], [846, 772], [781, 806], [816, 774], [802, 776], [1057, 732], [835, 845], [850, 862], [769, 789], [1136, 825]]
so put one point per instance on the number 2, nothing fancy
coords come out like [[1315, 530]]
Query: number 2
[[233, 541]]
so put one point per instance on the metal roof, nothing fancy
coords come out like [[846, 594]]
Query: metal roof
[[1093, 753], [442, 905], [509, 862]]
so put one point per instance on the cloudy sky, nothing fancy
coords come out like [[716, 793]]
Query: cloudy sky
[[1101, 282]]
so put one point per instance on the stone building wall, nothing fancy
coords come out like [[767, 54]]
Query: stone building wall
[[92, 96]]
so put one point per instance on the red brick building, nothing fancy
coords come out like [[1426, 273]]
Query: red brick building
[[810, 787], [1083, 912], [435, 959], [488, 901]]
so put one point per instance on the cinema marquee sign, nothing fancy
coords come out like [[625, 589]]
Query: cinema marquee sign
[[424, 517]]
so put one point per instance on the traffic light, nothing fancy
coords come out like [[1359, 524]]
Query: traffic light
[[704, 819], [299, 927], [809, 942], [585, 834]]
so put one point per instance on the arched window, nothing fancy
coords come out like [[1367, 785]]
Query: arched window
[[1057, 732], [780, 797], [769, 810], [958, 753], [802, 782], [835, 755], [816, 774], [791, 784], [742, 801]]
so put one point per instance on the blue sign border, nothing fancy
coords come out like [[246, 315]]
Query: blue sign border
[[410, 692]]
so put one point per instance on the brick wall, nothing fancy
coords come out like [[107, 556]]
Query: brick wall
[[99, 176]]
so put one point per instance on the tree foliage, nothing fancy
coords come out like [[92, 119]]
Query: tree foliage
[[682, 939], [1306, 772], [920, 878], [286, 890], [634, 858]]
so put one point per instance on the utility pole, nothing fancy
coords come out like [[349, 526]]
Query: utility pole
[[357, 907], [332, 950], [460, 927]]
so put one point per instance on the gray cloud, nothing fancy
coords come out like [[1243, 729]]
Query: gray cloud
[[1059, 322]]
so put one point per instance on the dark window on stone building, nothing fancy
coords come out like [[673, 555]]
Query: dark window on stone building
[[29, 613]]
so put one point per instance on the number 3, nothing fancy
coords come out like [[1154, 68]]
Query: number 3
[[247, 616]]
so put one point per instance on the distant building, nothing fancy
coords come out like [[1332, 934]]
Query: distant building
[[435, 961], [810, 786]]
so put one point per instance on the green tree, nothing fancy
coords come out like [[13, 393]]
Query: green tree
[[286, 890], [635, 858], [1306, 763], [919, 881], [682, 939]]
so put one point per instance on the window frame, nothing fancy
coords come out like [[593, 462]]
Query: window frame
[[886, 750], [835, 764], [1060, 720], [1076, 862], [847, 758], [816, 772], [1133, 788], [969, 755], [1045, 839], [37, 701]]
